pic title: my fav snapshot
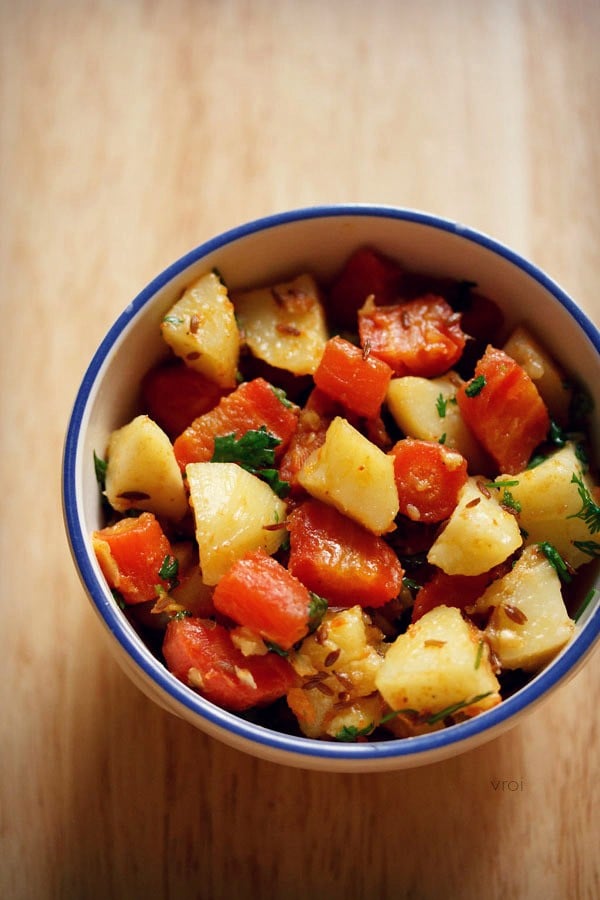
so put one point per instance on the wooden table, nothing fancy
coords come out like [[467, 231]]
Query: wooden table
[[130, 132]]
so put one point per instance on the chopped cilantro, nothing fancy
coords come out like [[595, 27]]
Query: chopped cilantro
[[282, 397], [536, 460], [554, 557], [479, 653], [592, 548], [181, 614], [317, 608], [475, 386], [556, 435], [584, 605], [275, 648], [509, 501], [253, 451], [590, 511], [173, 320], [441, 404], [351, 732], [100, 467], [454, 708], [169, 570], [411, 584], [442, 438]]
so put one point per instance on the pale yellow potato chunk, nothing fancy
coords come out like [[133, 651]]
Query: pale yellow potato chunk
[[549, 498], [530, 623], [202, 330], [234, 513], [441, 660], [415, 404], [547, 376], [284, 324], [142, 471], [351, 473], [479, 534]]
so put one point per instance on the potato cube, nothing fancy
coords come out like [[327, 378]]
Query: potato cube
[[425, 408], [351, 473], [142, 471], [201, 329], [235, 512], [284, 325], [442, 660], [530, 623], [479, 534]]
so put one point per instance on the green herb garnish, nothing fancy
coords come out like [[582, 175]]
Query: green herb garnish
[[275, 648], [254, 451], [592, 548], [442, 438], [317, 608], [181, 614], [100, 467], [441, 404], [173, 320], [556, 435], [454, 708], [586, 602], [169, 570], [351, 732], [509, 501], [282, 397], [411, 584], [536, 460], [476, 386], [479, 653], [554, 557], [590, 511]]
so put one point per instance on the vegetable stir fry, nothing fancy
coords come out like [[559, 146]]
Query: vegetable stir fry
[[353, 510]]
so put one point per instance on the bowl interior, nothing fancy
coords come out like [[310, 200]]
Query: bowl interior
[[318, 241]]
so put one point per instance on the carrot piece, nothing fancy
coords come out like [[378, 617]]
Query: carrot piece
[[504, 410], [454, 590], [252, 405], [174, 395], [366, 272], [339, 559], [131, 554], [429, 477], [201, 654], [261, 594], [358, 380], [421, 337]]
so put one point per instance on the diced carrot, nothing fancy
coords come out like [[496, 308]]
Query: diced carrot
[[261, 594], [201, 654], [174, 395], [131, 554], [429, 477], [421, 337], [348, 374], [504, 410], [454, 590], [365, 273], [254, 404], [339, 559], [313, 422]]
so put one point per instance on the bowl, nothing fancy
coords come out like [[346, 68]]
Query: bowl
[[317, 239]]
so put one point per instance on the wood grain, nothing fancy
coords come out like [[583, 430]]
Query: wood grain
[[130, 132]]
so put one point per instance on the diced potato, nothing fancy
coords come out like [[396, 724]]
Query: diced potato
[[442, 660], [338, 665], [479, 534], [530, 623], [548, 498], [142, 471], [417, 409], [351, 473], [284, 324], [544, 372], [202, 330], [235, 512]]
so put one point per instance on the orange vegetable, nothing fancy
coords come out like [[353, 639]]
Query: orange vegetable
[[131, 554], [254, 404], [365, 273], [420, 337], [263, 595], [338, 559], [358, 380], [429, 477], [201, 654], [504, 410], [174, 395]]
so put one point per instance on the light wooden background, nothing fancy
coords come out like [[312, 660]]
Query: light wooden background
[[130, 132]]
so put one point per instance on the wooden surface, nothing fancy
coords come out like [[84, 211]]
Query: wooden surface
[[130, 132]]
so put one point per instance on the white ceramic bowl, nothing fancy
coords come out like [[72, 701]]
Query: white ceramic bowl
[[319, 240]]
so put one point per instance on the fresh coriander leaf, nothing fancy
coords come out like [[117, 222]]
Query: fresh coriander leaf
[[479, 653], [411, 584], [590, 511], [586, 602], [181, 614], [282, 396], [509, 501], [100, 467], [271, 476], [556, 435], [413, 713], [554, 557], [351, 732], [442, 438], [476, 386], [253, 451], [173, 320], [169, 569], [454, 708], [501, 484], [317, 608], [441, 404], [592, 548], [536, 460], [118, 597], [582, 456], [275, 648]]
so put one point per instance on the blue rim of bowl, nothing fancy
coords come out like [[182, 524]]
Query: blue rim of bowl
[[247, 731]]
